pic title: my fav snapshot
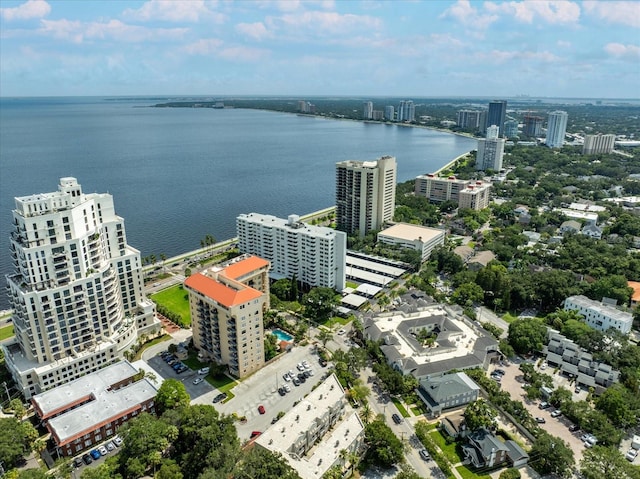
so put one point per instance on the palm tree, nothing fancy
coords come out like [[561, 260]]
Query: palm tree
[[163, 257], [366, 413], [324, 336]]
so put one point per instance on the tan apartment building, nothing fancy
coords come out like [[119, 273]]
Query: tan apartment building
[[365, 194], [227, 307], [467, 193]]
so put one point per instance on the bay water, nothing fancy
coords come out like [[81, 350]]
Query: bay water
[[178, 174]]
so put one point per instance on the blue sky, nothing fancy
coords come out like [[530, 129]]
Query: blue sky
[[307, 48]]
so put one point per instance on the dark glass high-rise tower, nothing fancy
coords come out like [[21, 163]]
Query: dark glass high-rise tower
[[497, 114]]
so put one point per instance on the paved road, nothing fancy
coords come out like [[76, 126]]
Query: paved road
[[484, 315]]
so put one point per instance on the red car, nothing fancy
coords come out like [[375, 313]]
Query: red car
[[255, 434], [261, 409]]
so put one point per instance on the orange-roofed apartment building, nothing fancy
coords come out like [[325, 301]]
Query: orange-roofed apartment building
[[635, 296], [227, 306]]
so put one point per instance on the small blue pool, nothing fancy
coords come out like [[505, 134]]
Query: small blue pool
[[281, 335]]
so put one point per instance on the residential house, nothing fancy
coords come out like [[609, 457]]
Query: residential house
[[592, 230], [450, 391], [480, 260], [570, 226], [485, 450]]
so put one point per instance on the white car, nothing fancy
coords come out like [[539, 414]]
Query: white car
[[197, 380], [341, 332], [631, 455], [203, 371], [286, 377], [117, 441], [103, 450]]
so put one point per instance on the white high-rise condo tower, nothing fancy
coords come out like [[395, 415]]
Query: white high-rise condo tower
[[77, 289], [556, 128], [365, 194]]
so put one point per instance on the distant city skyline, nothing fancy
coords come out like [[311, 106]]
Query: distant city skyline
[[500, 49]]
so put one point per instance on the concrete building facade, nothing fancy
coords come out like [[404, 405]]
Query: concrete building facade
[[365, 194], [598, 144], [472, 119], [532, 126], [467, 193], [598, 315], [407, 111], [315, 255], [77, 289], [227, 309], [556, 129], [419, 238], [367, 110], [89, 410], [490, 153]]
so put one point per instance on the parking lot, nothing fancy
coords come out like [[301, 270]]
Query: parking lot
[[512, 383], [203, 390], [261, 389]]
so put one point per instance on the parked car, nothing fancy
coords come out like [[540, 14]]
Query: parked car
[[281, 391], [110, 446], [87, 459], [305, 363], [77, 462], [544, 405], [577, 390], [540, 420], [574, 427], [197, 380], [95, 454], [287, 388], [302, 378], [631, 455], [203, 371], [424, 454], [556, 413], [117, 441], [341, 332], [255, 434], [397, 419], [296, 381], [501, 372], [220, 397], [261, 409], [300, 367], [323, 362], [103, 451], [286, 377]]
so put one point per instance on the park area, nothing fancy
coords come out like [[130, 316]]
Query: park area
[[173, 303]]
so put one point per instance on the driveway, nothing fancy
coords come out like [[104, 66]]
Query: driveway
[[512, 383]]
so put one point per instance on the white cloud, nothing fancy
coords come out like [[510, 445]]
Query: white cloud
[[626, 52], [466, 14], [624, 13], [204, 46], [26, 11], [173, 11], [78, 32], [503, 56], [325, 22], [257, 30], [550, 11], [242, 53], [564, 44]]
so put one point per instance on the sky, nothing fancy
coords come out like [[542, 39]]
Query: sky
[[433, 48]]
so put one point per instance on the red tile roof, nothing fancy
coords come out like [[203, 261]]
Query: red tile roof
[[217, 291], [635, 296], [245, 266]]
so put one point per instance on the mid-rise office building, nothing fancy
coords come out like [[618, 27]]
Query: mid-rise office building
[[467, 193], [314, 255], [389, 113], [365, 194], [600, 315], [497, 114], [472, 119], [532, 126], [377, 115], [419, 238], [556, 129], [510, 128], [367, 112], [490, 153], [407, 111], [77, 289], [89, 410], [598, 144], [227, 309]]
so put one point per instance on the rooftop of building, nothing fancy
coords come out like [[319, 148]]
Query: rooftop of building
[[245, 266], [635, 285], [292, 223], [600, 308], [441, 388], [228, 294], [302, 418], [410, 232], [459, 343]]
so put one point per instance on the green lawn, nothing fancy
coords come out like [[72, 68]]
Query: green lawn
[[417, 410], [331, 322], [6, 332], [175, 299], [449, 450], [469, 474], [400, 407], [223, 383], [351, 284]]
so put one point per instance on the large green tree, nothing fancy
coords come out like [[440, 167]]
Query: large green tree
[[384, 448], [606, 462], [16, 438], [319, 303], [554, 456], [527, 335], [260, 463], [171, 394], [479, 414]]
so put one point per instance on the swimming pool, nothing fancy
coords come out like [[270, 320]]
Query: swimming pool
[[281, 335]]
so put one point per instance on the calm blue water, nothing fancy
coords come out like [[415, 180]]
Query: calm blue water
[[178, 174]]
